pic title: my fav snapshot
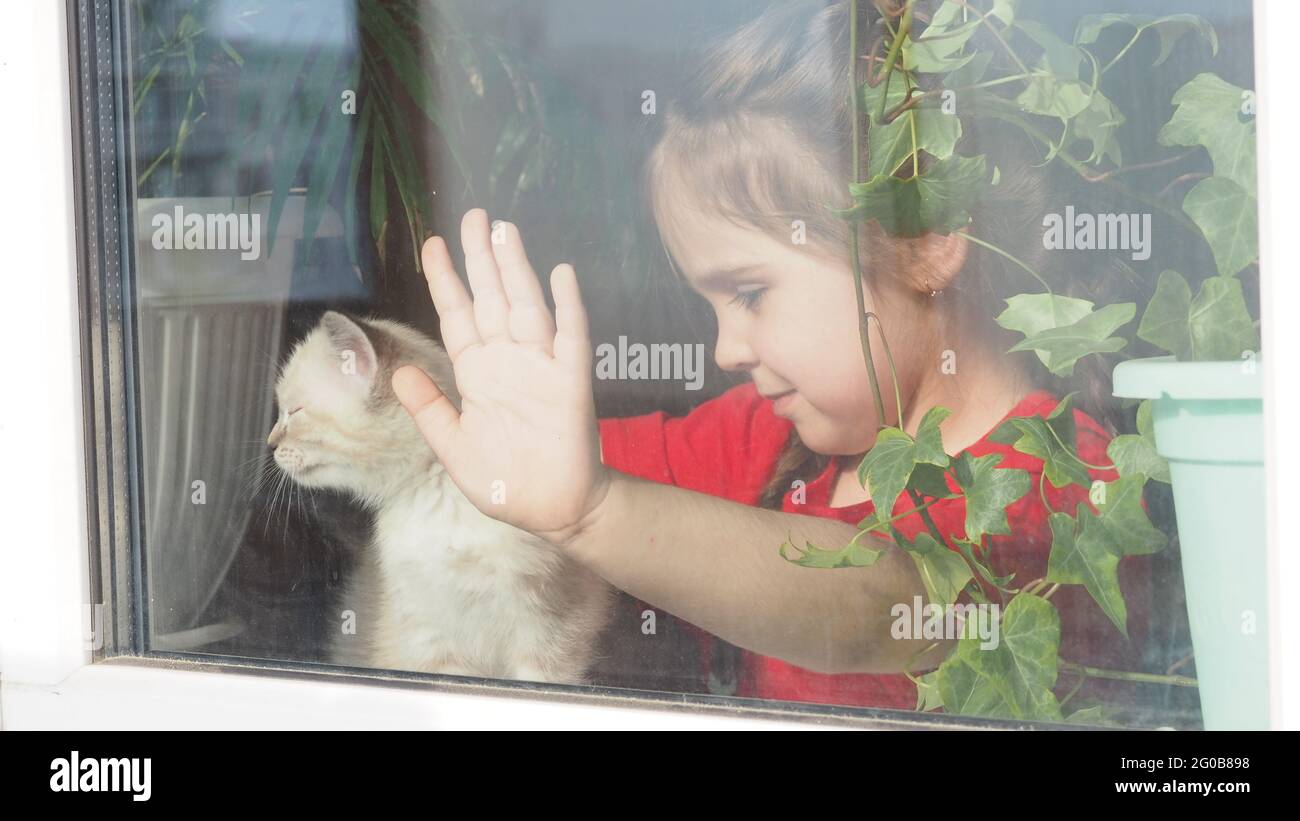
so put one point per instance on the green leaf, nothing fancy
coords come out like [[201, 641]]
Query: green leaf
[[1170, 29], [1090, 556], [886, 470], [943, 571], [1165, 322], [1005, 10], [1127, 525], [989, 489], [936, 50], [359, 141], [1097, 715], [1221, 327], [1135, 453], [1098, 124], [1032, 314], [378, 185], [967, 550], [929, 439], [327, 162], [927, 692], [1228, 216], [1064, 346], [872, 521], [270, 81], [937, 201], [1055, 89], [1023, 666], [1215, 326], [851, 555], [963, 691], [971, 73], [1087, 560], [302, 122], [1210, 114], [891, 145], [929, 480], [886, 467], [1039, 438]]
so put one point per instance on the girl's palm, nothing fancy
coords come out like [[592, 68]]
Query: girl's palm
[[524, 446]]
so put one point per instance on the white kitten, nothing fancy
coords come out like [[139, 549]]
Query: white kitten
[[441, 587]]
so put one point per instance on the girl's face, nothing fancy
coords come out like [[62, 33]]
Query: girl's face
[[790, 320]]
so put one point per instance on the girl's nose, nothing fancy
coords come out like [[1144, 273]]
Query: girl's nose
[[732, 352]]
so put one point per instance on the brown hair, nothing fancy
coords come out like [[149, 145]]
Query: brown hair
[[762, 135]]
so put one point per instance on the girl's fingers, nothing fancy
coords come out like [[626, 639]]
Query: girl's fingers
[[491, 309], [530, 319], [455, 309], [572, 341], [435, 416]]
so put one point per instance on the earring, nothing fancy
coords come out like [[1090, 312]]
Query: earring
[[933, 292]]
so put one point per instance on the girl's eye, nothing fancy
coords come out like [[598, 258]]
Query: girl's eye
[[748, 299]]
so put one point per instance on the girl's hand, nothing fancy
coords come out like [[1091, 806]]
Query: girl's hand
[[524, 446]]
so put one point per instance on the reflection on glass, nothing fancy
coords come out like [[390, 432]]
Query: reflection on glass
[[682, 491]]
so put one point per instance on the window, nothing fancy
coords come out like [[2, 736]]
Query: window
[[259, 175]]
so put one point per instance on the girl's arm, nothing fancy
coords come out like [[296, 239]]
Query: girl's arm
[[524, 449], [715, 563]]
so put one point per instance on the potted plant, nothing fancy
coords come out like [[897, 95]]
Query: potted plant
[[1201, 408], [1206, 413]]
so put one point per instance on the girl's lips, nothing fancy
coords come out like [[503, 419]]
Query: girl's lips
[[782, 402]]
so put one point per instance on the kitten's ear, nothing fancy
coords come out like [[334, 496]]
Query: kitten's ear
[[349, 341]]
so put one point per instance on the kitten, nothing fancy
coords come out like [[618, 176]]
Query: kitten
[[440, 587]]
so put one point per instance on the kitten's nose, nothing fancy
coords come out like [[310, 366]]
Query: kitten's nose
[[277, 434]]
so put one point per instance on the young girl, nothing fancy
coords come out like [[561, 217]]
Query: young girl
[[687, 514]]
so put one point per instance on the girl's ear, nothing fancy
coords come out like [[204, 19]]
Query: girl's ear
[[932, 262], [349, 342]]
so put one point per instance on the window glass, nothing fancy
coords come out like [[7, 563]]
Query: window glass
[[1017, 474]]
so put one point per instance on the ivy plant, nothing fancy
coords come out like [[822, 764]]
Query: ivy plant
[[916, 181]]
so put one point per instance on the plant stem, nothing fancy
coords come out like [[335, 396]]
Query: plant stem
[[1074, 455], [864, 331], [985, 20], [1076, 689], [1079, 168], [925, 517], [1122, 675], [990, 246], [1042, 492], [1137, 34], [907, 668], [904, 28], [893, 371], [1140, 167], [904, 515]]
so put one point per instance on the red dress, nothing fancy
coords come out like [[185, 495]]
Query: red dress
[[728, 447]]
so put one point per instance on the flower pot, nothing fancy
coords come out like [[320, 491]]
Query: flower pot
[[1209, 425]]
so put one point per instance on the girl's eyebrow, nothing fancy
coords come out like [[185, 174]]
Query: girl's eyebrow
[[722, 276]]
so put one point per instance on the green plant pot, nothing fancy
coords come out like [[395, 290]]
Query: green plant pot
[[1209, 424]]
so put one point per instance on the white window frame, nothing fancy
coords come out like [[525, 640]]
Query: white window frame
[[47, 679]]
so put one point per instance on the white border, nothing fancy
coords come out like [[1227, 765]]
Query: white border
[[44, 575], [45, 678], [1277, 63]]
